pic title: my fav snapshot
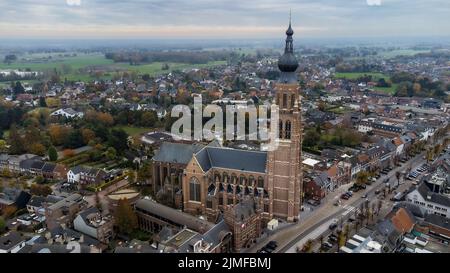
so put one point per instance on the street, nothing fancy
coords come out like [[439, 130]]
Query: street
[[291, 237]]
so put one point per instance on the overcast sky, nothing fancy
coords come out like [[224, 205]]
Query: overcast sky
[[222, 18]]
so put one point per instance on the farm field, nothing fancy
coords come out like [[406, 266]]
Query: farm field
[[401, 52], [375, 77], [355, 75], [77, 67]]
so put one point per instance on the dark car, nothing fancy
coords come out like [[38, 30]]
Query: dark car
[[272, 244], [332, 226]]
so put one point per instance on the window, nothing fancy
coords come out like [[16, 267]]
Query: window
[[266, 207], [292, 101], [194, 189], [280, 129], [260, 182], [242, 180], [284, 100], [209, 204], [288, 130]]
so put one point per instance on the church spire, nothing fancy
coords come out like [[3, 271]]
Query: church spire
[[287, 63]]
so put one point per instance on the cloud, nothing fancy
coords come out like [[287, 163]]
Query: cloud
[[73, 2], [207, 18], [373, 2]]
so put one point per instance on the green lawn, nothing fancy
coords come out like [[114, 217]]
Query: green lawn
[[355, 75], [375, 77], [390, 90]]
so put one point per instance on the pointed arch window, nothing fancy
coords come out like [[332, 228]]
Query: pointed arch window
[[287, 130], [280, 129], [194, 189]]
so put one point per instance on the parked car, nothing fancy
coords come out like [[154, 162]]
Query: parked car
[[332, 226], [364, 195], [272, 245]]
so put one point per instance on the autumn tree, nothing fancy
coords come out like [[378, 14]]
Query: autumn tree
[[9, 211], [126, 219], [58, 133], [37, 148], [40, 190], [362, 178], [15, 141], [88, 135]]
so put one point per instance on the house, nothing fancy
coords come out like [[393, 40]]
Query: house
[[91, 222], [92, 176], [11, 242], [37, 204], [11, 197], [67, 113], [432, 202], [73, 175], [317, 187], [244, 221], [64, 211]]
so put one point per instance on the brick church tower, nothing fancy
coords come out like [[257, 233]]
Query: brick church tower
[[284, 164]]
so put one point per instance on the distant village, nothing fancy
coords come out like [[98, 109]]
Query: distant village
[[95, 162]]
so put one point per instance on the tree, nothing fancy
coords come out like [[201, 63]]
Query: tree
[[88, 135], [2, 225], [9, 58], [9, 211], [52, 153], [119, 140], [362, 178], [58, 133], [75, 139], [15, 141], [39, 179], [126, 219], [397, 175], [37, 149], [2, 145], [131, 177], [111, 153], [42, 102], [40, 190], [307, 247]]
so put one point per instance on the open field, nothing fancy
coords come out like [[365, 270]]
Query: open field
[[375, 77], [401, 52], [390, 90], [77, 67], [355, 75]]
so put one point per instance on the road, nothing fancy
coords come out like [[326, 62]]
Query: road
[[291, 236]]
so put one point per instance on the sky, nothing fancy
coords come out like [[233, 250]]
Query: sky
[[203, 19]]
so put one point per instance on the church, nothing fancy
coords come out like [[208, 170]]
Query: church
[[208, 179]]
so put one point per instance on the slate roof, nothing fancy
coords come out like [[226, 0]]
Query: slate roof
[[176, 216], [438, 220], [37, 165], [434, 197], [176, 152], [234, 159], [49, 167], [10, 240]]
